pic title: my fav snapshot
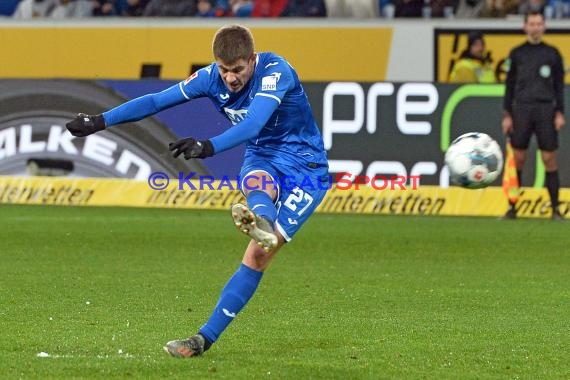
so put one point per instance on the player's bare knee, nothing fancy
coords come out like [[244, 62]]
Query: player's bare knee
[[549, 160], [551, 166], [260, 181]]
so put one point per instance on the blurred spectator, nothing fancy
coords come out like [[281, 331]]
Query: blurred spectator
[[474, 63], [352, 8], [106, 8], [72, 9], [469, 8], [561, 8], [170, 8], [268, 8], [8, 7], [28, 9], [240, 8], [205, 8], [305, 8], [442, 8], [222, 8], [134, 8], [499, 8], [409, 8], [386, 8], [531, 6]]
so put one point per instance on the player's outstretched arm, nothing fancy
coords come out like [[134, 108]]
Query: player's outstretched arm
[[133, 110]]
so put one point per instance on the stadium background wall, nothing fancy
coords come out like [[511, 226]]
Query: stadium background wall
[[378, 50], [427, 200], [416, 53], [400, 128]]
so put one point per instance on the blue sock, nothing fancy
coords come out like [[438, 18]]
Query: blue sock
[[261, 204], [235, 295]]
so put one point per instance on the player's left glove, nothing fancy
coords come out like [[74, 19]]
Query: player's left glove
[[191, 148], [84, 125]]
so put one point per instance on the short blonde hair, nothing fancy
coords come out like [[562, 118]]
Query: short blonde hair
[[232, 43]]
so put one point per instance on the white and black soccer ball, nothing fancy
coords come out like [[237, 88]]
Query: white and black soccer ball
[[474, 160]]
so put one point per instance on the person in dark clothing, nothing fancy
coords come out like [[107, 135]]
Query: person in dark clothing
[[170, 8], [409, 8], [134, 8], [105, 8], [534, 104], [305, 8]]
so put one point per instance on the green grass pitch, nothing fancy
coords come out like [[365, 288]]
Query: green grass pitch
[[100, 290]]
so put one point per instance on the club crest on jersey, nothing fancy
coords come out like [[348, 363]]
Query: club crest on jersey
[[269, 83], [189, 79]]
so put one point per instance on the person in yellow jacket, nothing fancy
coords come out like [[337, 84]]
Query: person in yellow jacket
[[474, 63]]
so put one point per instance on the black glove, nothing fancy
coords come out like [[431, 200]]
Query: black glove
[[84, 125], [191, 148]]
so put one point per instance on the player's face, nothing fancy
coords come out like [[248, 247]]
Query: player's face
[[534, 28], [477, 49], [236, 75]]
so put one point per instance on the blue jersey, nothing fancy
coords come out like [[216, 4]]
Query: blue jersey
[[271, 114]]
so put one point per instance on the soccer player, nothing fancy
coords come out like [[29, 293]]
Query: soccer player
[[534, 104], [261, 95]]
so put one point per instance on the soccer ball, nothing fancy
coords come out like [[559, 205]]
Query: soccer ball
[[474, 160]]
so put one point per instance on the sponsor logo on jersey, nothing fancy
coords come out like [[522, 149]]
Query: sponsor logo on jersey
[[271, 64], [235, 116], [269, 83]]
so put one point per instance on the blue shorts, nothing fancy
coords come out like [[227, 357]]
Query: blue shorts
[[299, 191]]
